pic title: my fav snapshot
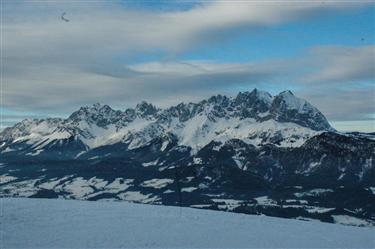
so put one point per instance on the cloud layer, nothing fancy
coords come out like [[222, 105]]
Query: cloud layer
[[54, 65], [35, 30]]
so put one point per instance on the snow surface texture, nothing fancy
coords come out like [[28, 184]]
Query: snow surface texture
[[30, 223]]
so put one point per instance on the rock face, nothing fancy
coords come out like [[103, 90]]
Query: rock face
[[288, 108], [252, 153]]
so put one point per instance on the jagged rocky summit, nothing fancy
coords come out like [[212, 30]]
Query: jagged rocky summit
[[255, 117]]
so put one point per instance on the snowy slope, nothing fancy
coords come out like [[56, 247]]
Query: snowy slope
[[30, 223]]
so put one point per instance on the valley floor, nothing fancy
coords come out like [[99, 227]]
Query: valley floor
[[48, 223]]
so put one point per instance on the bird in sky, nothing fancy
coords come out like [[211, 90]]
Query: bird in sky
[[63, 18]]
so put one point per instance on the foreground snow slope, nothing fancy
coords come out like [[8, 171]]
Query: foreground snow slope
[[47, 223]]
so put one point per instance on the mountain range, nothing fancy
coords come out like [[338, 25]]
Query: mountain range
[[251, 153]]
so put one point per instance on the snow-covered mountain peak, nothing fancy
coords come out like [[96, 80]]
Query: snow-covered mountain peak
[[252, 103], [286, 107], [144, 109], [95, 108], [254, 95], [259, 95], [217, 99], [254, 117], [290, 102], [101, 115], [286, 93], [29, 127]]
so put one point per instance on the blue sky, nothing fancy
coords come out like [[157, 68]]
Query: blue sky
[[123, 52], [289, 40]]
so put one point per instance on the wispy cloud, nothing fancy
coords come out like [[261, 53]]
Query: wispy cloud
[[340, 64], [344, 104], [34, 30], [170, 82]]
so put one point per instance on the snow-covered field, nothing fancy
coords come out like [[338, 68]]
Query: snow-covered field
[[47, 223]]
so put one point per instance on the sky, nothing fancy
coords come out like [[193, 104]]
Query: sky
[[166, 52]]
